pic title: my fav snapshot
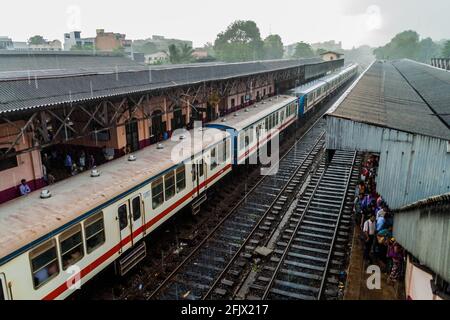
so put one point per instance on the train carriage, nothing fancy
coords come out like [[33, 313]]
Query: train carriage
[[313, 93], [89, 221], [253, 127]]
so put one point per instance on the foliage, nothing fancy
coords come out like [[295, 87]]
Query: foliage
[[182, 54], [241, 41], [273, 47], [303, 50], [85, 47], [446, 50], [37, 39], [320, 51], [145, 47]]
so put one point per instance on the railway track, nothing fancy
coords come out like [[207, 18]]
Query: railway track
[[225, 250], [309, 254]]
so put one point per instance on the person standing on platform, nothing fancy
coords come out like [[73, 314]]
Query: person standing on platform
[[369, 232]]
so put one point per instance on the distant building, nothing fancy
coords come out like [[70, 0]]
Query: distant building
[[110, 41], [327, 45], [200, 53], [331, 55], [54, 45], [73, 39], [157, 44], [155, 58], [6, 43], [20, 46]]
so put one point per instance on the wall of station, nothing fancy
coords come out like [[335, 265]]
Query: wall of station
[[412, 167], [23, 166]]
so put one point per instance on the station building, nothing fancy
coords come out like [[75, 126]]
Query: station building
[[106, 104], [401, 111]]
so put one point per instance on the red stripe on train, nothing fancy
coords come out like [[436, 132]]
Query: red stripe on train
[[85, 271], [266, 138]]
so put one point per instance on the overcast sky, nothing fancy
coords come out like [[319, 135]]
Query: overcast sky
[[354, 22]]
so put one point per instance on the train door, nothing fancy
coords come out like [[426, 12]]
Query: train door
[[3, 288], [201, 174], [198, 175], [130, 216], [123, 216]]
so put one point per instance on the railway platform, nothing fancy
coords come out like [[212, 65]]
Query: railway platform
[[356, 286]]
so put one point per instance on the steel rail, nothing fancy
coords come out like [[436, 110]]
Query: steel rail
[[252, 232], [341, 210], [291, 240], [225, 218]]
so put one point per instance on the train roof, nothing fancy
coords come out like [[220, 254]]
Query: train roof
[[28, 220], [311, 86], [243, 118]]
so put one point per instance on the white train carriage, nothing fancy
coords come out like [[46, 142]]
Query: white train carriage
[[252, 127], [47, 245]]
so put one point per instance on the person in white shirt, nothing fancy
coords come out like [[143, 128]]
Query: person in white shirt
[[369, 232], [24, 188]]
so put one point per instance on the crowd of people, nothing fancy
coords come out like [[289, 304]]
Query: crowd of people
[[376, 222]]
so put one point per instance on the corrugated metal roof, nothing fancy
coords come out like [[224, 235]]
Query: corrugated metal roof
[[384, 98], [58, 86], [40, 64], [436, 200], [432, 84]]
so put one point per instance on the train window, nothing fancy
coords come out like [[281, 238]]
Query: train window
[[247, 141], [136, 205], [267, 123], [71, 244], [241, 141], [213, 158], [94, 230], [282, 115], [44, 263], [276, 118], [200, 168], [169, 184], [194, 172], [181, 178], [123, 216], [157, 193]]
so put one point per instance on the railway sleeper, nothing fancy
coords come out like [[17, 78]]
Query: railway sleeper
[[292, 295]]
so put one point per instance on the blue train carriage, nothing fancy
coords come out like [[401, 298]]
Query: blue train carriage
[[253, 127], [311, 94]]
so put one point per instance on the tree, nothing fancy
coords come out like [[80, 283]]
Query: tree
[[320, 51], [145, 47], [446, 49], [273, 47], [181, 54], [241, 41], [303, 50], [37, 39], [428, 49], [403, 45]]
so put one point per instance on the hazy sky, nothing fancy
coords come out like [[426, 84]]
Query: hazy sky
[[354, 22]]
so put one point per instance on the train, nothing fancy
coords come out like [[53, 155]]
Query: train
[[53, 241]]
